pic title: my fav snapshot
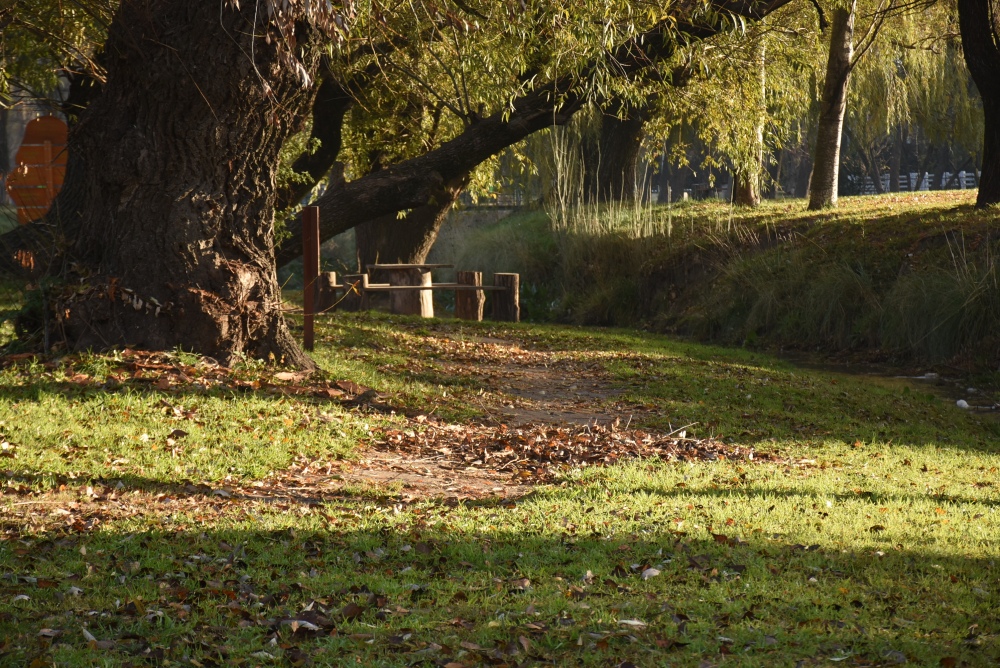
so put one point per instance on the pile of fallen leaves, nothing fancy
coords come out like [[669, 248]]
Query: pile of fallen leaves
[[542, 450]]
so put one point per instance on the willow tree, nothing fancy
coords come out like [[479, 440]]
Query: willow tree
[[168, 205], [846, 51], [43, 43], [915, 83], [744, 94], [544, 82], [942, 101]]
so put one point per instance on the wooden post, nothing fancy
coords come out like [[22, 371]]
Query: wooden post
[[326, 292], [507, 303], [411, 302], [310, 270], [469, 303], [355, 298]]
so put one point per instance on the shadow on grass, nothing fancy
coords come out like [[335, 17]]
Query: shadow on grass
[[326, 489], [332, 593]]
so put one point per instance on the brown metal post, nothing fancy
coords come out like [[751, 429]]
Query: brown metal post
[[310, 270]]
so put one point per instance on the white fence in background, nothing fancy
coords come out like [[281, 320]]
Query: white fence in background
[[915, 181]]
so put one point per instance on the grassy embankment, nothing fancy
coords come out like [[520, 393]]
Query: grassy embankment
[[872, 541], [909, 275]]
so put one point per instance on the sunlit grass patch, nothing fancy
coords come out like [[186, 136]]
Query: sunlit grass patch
[[872, 538]]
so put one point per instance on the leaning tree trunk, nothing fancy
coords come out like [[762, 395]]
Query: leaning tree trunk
[[611, 157], [833, 105], [171, 215], [980, 34], [392, 239]]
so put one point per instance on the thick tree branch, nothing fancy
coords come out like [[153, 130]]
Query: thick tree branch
[[411, 183]]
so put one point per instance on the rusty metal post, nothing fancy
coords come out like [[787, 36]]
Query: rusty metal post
[[310, 270]]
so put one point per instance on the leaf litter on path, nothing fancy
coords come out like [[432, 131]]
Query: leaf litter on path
[[542, 451]]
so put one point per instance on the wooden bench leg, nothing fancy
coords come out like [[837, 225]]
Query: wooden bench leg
[[507, 302], [411, 302], [355, 299], [326, 292], [469, 303]]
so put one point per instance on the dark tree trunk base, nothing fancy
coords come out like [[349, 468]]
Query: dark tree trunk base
[[610, 159], [110, 317], [982, 56], [747, 192]]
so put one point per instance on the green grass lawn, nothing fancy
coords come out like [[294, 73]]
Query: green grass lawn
[[871, 539]]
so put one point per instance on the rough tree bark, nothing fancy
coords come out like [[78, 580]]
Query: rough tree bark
[[171, 213], [979, 23], [833, 104]]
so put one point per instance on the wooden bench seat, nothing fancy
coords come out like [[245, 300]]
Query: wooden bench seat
[[353, 293]]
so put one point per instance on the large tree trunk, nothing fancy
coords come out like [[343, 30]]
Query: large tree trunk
[[833, 105], [980, 28], [390, 239], [171, 210], [611, 156], [747, 192]]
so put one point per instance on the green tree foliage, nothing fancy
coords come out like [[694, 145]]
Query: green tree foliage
[[42, 41]]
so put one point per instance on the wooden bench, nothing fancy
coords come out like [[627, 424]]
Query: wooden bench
[[411, 283], [409, 297]]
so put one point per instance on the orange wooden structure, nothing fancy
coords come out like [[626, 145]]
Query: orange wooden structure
[[41, 167]]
